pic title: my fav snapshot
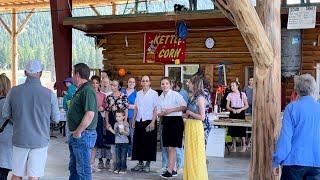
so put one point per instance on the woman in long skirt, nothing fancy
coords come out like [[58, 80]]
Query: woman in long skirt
[[197, 117], [145, 133], [101, 97]]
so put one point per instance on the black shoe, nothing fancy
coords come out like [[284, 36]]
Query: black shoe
[[166, 175], [174, 173], [138, 167]]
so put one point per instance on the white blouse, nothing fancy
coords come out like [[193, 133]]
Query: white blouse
[[145, 104], [171, 100]]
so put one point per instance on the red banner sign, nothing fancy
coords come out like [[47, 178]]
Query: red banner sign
[[164, 47]]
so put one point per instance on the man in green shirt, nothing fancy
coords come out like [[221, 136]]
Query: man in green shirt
[[82, 123]]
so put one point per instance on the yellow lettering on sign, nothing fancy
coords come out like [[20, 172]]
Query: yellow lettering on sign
[[167, 38], [156, 40], [161, 53], [171, 55], [161, 39], [166, 53], [177, 53], [172, 37]]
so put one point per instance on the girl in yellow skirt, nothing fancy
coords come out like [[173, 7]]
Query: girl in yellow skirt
[[195, 127]]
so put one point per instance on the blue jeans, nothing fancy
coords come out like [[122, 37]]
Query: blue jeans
[[131, 132], [180, 157], [80, 153], [300, 173], [121, 156]]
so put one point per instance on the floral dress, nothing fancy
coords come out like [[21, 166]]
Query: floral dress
[[114, 104]]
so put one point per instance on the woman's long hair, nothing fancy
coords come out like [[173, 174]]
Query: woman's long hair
[[198, 83], [5, 85]]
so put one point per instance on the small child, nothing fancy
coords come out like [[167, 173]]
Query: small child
[[121, 131], [71, 90]]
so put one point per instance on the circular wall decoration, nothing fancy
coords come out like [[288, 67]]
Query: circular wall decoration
[[209, 43]]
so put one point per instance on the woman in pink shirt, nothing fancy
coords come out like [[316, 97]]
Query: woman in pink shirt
[[101, 98], [237, 103]]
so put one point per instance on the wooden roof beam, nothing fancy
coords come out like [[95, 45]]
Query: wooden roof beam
[[145, 18], [95, 10], [25, 22], [6, 27], [8, 5]]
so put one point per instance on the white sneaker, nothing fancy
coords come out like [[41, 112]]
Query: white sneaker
[[94, 169], [163, 170]]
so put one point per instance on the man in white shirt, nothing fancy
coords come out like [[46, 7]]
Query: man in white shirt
[[145, 135]]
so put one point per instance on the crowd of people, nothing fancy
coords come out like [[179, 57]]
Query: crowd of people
[[105, 121]]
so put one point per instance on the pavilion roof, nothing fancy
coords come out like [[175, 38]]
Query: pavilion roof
[[21, 5]]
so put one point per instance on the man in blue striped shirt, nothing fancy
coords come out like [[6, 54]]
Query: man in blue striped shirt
[[298, 147]]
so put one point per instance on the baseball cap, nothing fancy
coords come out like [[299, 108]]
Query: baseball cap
[[34, 66], [69, 79]]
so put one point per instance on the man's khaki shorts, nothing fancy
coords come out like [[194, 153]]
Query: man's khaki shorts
[[29, 162]]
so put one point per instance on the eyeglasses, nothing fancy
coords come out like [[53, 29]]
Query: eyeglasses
[[145, 81]]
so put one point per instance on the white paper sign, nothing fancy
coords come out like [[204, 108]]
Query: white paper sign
[[253, 2], [302, 17], [216, 142]]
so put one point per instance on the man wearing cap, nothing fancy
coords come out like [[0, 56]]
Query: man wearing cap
[[31, 108], [82, 123]]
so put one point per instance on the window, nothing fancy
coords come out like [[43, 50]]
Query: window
[[294, 1], [181, 73], [318, 75], [249, 72]]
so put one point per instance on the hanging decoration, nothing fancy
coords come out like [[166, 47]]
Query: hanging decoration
[[122, 72]]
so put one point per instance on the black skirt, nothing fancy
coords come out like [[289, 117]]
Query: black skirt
[[172, 131], [237, 131], [100, 135], [144, 147], [109, 137]]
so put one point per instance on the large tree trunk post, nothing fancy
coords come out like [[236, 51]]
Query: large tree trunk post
[[266, 109], [267, 126]]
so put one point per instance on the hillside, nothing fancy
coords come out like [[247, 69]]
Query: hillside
[[35, 42]]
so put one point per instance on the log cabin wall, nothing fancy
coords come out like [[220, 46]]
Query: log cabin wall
[[310, 51], [229, 49], [309, 59]]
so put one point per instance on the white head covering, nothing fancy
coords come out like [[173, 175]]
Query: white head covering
[[34, 66]]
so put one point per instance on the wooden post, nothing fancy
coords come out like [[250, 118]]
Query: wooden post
[[62, 41], [25, 22], [14, 36], [263, 42], [267, 124], [95, 10], [14, 33], [114, 8]]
